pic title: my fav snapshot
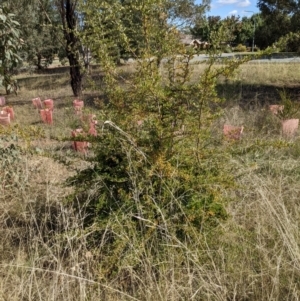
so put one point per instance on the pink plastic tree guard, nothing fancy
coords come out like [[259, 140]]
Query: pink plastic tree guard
[[92, 130], [90, 121], [78, 106], [37, 103], [49, 104], [289, 127], [43, 116], [46, 116], [79, 146], [2, 101], [49, 115], [233, 132], [275, 109], [10, 110], [87, 119], [4, 118]]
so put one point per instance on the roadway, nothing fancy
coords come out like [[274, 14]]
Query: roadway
[[271, 59], [274, 58]]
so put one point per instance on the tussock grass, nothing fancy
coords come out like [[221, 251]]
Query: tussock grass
[[46, 251]]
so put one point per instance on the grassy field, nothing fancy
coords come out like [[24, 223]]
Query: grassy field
[[252, 255]]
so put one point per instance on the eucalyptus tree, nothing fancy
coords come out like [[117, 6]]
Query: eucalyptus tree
[[68, 10], [204, 26], [49, 27], [39, 30], [280, 18], [45, 39], [10, 44], [244, 30], [186, 13]]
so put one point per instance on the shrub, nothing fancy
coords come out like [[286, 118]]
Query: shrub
[[157, 175], [290, 108], [227, 50], [290, 42], [240, 48]]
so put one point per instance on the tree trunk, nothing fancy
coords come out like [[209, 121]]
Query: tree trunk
[[75, 74], [86, 58], [39, 62], [69, 20]]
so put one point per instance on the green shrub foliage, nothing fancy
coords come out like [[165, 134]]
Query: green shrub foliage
[[289, 42], [158, 170], [240, 48]]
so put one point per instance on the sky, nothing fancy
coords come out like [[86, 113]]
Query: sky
[[225, 8]]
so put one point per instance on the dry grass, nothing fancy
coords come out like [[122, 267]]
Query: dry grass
[[278, 74], [45, 253], [262, 74]]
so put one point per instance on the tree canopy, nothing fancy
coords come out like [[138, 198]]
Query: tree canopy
[[75, 29], [280, 18]]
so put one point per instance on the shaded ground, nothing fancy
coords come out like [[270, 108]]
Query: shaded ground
[[249, 96]]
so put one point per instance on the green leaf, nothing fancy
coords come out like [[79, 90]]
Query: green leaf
[[15, 22], [3, 18]]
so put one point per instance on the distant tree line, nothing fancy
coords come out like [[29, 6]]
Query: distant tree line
[[277, 21], [67, 29]]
